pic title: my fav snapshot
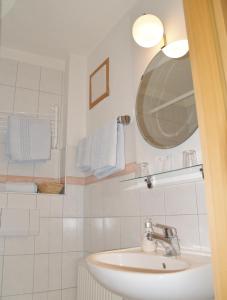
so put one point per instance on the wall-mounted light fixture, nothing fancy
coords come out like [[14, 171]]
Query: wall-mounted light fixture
[[176, 49], [148, 31]]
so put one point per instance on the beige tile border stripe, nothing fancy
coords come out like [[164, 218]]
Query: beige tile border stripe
[[130, 168], [13, 178]]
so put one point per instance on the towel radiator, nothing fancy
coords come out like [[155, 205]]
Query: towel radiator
[[53, 116]]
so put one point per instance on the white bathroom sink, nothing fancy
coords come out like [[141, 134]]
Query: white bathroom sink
[[142, 276]]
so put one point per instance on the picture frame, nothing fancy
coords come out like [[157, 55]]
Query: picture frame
[[99, 84]]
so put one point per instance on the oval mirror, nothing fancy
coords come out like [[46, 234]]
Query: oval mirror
[[165, 105]]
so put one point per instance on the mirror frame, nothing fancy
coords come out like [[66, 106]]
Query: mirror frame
[[142, 129]]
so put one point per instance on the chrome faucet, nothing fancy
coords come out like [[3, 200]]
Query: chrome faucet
[[168, 239]]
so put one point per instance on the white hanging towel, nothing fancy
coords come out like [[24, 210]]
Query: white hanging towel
[[29, 139], [83, 155], [108, 156]]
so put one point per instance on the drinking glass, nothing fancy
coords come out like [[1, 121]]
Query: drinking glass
[[142, 169], [189, 158]]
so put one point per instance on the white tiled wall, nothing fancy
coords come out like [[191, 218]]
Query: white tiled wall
[[43, 266], [114, 214], [32, 89]]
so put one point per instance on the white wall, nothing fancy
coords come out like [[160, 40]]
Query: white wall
[[76, 110], [41, 266], [104, 215], [111, 210], [128, 61], [31, 84]]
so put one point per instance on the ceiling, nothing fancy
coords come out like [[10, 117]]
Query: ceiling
[[58, 27]]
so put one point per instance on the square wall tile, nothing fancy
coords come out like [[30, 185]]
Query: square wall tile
[[47, 101], [50, 168], [42, 240], [55, 235], [40, 296], [8, 71], [18, 297], [71, 158], [17, 275], [19, 245], [201, 197], [55, 295], [3, 200], [1, 270], [112, 233], [55, 268], [4, 160], [188, 230], [15, 222], [28, 76], [152, 202], [6, 98], [204, 233], [97, 198], [51, 81], [72, 234], [34, 222], [112, 201], [87, 206], [56, 206], [129, 201], [130, 232], [21, 201], [74, 201], [69, 294], [69, 269], [41, 273], [181, 199], [2, 245], [96, 235], [21, 168], [26, 101], [43, 204], [87, 235]]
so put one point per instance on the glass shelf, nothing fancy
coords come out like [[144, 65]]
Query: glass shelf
[[170, 173]]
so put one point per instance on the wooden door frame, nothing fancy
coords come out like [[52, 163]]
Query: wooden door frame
[[207, 33]]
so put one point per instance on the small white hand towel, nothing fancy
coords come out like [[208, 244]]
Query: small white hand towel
[[108, 155], [21, 187], [28, 138], [83, 155]]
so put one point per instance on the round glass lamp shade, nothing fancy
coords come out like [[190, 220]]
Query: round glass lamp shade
[[176, 49], [147, 31]]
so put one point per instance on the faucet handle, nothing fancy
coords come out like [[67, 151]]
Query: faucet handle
[[148, 224], [169, 231]]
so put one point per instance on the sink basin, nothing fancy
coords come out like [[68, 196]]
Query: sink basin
[[147, 276]]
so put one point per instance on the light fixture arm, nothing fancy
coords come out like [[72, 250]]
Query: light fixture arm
[[148, 31]]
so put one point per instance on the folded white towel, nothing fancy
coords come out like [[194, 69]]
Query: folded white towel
[[28, 138], [20, 187], [83, 155], [108, 150]]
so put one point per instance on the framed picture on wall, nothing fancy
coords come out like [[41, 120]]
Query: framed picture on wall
[[99, 84]]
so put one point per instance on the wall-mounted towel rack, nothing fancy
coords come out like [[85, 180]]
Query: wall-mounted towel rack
[[53, 116], [125, 120]]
